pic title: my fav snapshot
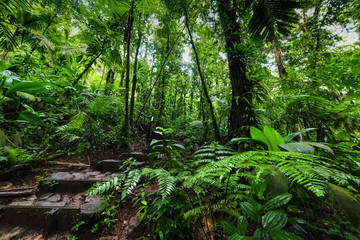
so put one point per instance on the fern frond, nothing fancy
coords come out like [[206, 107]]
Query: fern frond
[[106, 186], [131, 181]]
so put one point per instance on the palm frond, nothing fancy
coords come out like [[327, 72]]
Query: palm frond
[[273, 17]]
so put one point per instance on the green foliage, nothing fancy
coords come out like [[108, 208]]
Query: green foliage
[[169, 145], [210, 153], [270, 139], [272, 222]]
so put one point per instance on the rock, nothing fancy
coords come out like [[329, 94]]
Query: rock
[[90, 199], [93, 207], [55, 198], [109, 238], [45, 196], [109, 165], [16, 233], [40, 237], [50, 204], [17, 192], [94, 173], [22, 203], [133, 223], [80, 176], [61, 176]]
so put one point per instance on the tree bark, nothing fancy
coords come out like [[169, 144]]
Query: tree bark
[[158, 75], [162, 91], [280, 63], [207, 97], [109, 81], [127, 77], [242, 113], [134, 81]]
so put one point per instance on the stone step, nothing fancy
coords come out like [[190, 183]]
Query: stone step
[[138, 156], [50, 211], [65, 182], [111, 165]]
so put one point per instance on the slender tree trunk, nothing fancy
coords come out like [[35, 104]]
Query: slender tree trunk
[[109, 82], [280, 63], [132, 100], [242, 113], [102, 77], [123, 70], [147, 98], [127, 78], [207, 97], [88, 66], [163, 78], [203, 118]]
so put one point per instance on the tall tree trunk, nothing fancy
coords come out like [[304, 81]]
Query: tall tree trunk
[[102, 77], [242, 113], [109, 82], [280, 63], [134, 81], [127, 78], [162, 91], [123, 70], [147, 98], [207, 97]]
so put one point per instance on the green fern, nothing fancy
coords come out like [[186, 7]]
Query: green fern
[[107, 186], [129, 180], [312, 172], [212, 152]]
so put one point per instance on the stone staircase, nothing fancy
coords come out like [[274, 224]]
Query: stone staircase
[[58, 201]]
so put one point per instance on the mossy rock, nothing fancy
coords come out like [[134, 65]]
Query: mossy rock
[[348, 203]]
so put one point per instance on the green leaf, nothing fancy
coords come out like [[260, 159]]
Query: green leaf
[[32, 117], [155, 141], [291, 136], [229, 227], [178, 145], [236, 236], [27, 86], [322, 146], [244, 139], [261, 234], [284, 235], [250, 210], [273, 137], [260, 136], [242, 225], [274, 220], [278, 201], [301, 147], [48, 99], [5, 99]]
